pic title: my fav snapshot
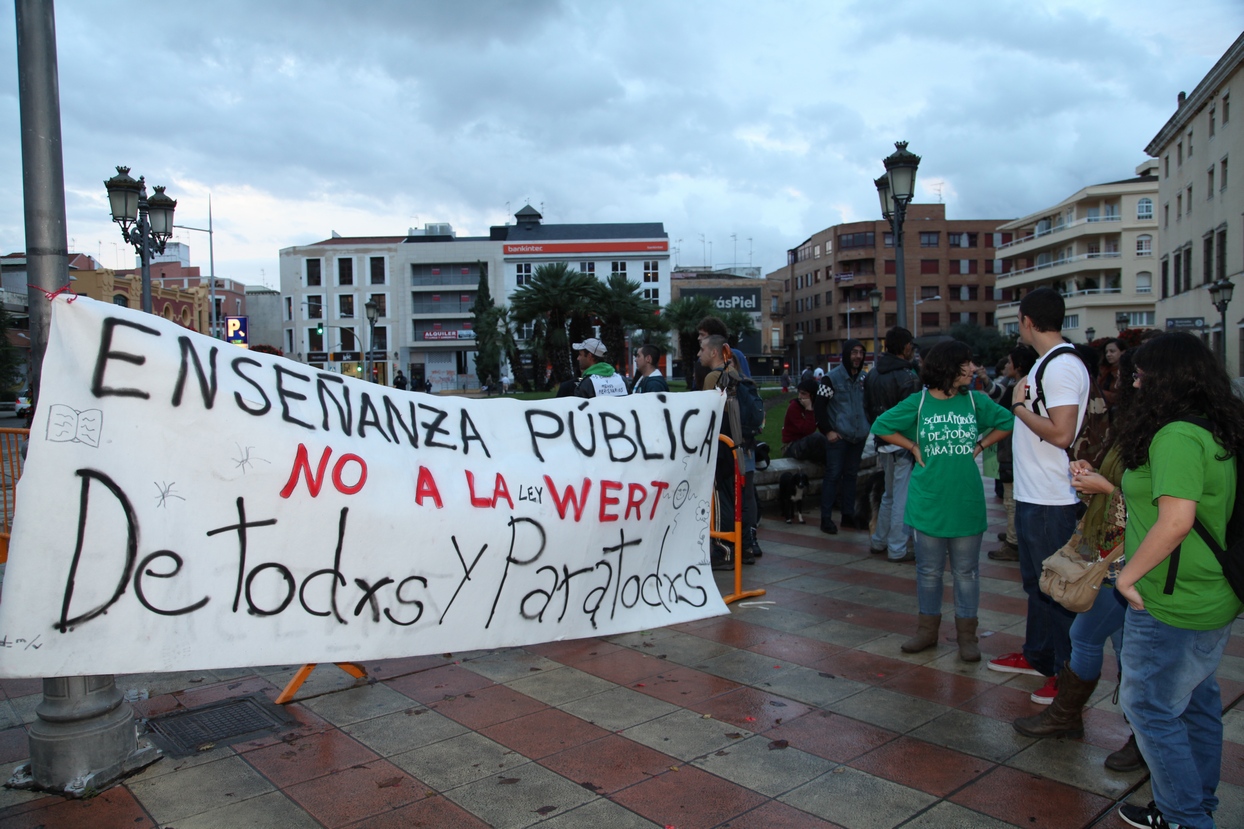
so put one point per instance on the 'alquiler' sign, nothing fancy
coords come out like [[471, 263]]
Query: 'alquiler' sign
[[186, 506]]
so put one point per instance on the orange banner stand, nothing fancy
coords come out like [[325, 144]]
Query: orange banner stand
[[287, 694], [10, 471], [735, 537]]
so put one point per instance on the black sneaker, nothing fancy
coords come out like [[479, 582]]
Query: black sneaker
[[753, 546], [1143, 817], [748, 557], [829, 527]]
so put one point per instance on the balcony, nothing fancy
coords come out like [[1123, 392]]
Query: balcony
[[1063, 228], [1067, 265]]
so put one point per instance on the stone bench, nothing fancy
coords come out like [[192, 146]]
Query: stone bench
[[768, 481]]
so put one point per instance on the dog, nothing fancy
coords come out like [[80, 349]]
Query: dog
[[868, 491], [791, 488]]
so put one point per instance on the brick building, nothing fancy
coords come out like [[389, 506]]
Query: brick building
[[950, 268]]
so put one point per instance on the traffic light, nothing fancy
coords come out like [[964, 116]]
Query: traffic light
[[319, 328]]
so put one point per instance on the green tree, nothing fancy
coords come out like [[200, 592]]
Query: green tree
[[682, 316], [12, 361], [485, 321], [739, 323], [989, 344], [509, 344], [620, 308], [554, 295]]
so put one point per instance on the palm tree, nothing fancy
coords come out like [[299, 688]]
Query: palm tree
[[555, 294], [620, 308], [739, 323], [509, 347], [682, 316]]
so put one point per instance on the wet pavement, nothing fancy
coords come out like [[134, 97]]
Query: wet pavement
[[796, 710]]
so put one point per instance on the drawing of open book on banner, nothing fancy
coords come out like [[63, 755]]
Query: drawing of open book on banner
[[68, 425]]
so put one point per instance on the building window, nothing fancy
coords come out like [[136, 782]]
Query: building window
[[1213, 116], [891, 267], [1222, 174], [818, 325], [121, 299], [348, 341], [1222, 254], [929, 320], [889, 239], [857, 240], [618, 268], [929, 291], [377, 270], [1140, 319], [1144, 282], [1189, 199], [1144, 209], [1207, 259], [1144, 245], [961, 240], [289, 308], [653, 295], [929, 265], [522, 273], [1166, 160], [1010, 329], [930, 239], [816, 251], [1179, 206], [382, 304], [1226, 108], [1166, 215], [891, 293], [891, 320], [315, 307], [315, 339], [345, 271], [1071, 321], [314, 279], [345, 306], [1179, 153], [1165, 278], [1209, 183], [588, 268], [651, 272], [1189, 143]]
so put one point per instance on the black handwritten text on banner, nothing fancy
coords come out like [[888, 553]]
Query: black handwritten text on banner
[[189, 505]]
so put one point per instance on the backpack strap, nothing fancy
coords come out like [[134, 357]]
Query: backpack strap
[[1220, 553], [1054, 352]]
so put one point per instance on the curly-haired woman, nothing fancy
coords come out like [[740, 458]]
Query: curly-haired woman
[[1180, 606], [942, 426]]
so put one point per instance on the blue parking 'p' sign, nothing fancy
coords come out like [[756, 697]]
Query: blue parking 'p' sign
[[235, 331]]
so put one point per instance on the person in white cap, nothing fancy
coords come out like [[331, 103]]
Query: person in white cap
[[599, 378]]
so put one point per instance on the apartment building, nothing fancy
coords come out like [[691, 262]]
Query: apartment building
[[1201, 209], [949, 269], [424, 284], [1099, 248]]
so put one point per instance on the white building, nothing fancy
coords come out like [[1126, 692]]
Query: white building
[[425, 283], [1202, 235], [1098, 248]]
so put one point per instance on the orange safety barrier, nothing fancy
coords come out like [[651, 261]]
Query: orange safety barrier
[[291, 688], [10, 470], [736, 536]]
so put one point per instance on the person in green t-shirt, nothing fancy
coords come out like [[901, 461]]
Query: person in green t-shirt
[[946, 426], [1180, 606]]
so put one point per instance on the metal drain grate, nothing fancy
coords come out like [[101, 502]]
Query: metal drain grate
[[183, 733]]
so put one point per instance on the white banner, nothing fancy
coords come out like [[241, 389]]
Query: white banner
[[187, 505]]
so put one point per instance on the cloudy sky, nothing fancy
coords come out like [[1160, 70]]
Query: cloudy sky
[[744, 127]]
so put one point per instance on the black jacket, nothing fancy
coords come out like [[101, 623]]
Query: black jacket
[[891, 380]]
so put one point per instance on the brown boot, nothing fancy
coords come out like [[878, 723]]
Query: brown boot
[[969, 651], [926, 634], [1127, 758], [1062, 718]]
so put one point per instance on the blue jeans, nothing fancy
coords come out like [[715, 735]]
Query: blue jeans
[[1041, 530], [1091, 629], [842, 465], [931, 554], [1171, 699], [891, 532]]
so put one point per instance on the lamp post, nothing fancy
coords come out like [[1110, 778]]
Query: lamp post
[[850, 310], [1090, 334], [896, 189], [799, 351], [915, 317], [874, 301], [1220, 294], [146, 223], [1121, 320], [373, 313]]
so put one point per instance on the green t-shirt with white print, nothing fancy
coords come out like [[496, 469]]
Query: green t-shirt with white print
[[945, 497]]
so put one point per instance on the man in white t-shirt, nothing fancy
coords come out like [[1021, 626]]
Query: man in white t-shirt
[[1045, 502]]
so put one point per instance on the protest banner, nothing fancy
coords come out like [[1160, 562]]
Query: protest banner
[[186, 504]]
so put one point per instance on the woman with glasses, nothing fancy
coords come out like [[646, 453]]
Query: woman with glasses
[[1178, 441]]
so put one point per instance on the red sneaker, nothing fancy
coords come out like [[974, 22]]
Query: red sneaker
[[1046, 693], [1012, 663]]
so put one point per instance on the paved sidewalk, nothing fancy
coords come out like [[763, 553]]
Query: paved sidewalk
[[798, 713]]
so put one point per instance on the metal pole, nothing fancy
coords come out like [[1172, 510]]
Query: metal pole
[[371, 341], [84, 736], [876, 345], [1222, 340], [144, 251], [211, 265], [900, 267]]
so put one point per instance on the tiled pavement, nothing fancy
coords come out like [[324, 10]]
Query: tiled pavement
[[797, 710]]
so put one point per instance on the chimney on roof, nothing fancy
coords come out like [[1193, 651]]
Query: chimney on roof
[[528, 217], [1183, 96]]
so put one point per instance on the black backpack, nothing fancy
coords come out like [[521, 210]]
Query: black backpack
[[1094, 438], [751, 409], [1230, 558]]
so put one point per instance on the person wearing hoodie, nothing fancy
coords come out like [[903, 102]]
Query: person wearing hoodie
[[890, 381], [839, 407], [599, 378]]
